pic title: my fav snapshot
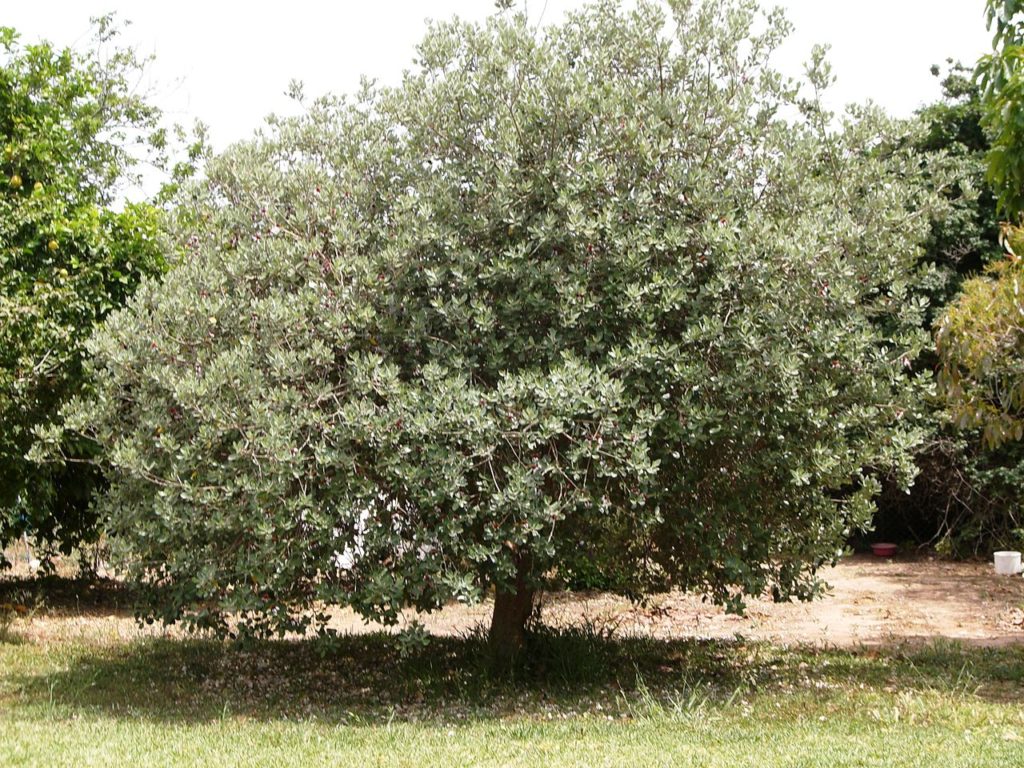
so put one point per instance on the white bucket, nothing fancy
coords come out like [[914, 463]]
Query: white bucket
[[1007, 563]]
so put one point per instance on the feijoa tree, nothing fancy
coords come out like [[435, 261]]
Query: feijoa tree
[[69, 125], [612, 293]]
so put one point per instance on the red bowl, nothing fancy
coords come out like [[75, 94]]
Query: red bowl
[[884, 549]]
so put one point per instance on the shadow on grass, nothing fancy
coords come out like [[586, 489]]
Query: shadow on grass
[[364, 678]]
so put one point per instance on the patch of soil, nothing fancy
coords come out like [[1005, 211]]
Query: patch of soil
[[872, 602]]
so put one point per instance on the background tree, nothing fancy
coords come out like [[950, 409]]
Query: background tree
[[979, 337], [610, 293], [1001, 74], [954, 503], [962, 241], [68, 125], [981, 340]]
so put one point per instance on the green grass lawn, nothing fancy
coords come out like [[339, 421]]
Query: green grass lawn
[[581, 700]]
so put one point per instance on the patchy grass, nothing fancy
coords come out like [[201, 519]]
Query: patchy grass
[[582, 699]]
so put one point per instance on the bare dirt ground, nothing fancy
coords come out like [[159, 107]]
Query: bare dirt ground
[[873, 602]]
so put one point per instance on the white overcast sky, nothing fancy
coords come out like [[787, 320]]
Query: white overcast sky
[[228, 63]]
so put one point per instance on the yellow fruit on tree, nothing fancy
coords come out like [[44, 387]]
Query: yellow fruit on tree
[[53, 245], [15, 181]]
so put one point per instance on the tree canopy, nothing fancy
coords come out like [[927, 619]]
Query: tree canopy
[[613, 294], [963, 240], [1001, 74]]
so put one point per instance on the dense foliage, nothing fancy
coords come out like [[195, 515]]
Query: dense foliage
[[979, 337], [981, 340], [1002, 76], [67, 125], [955, 503], [612, 295], [962, 241]]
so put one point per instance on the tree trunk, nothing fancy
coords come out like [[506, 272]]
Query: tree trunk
[[508, 624]]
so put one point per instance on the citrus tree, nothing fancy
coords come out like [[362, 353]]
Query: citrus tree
[[68, 122], [613, 295]]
